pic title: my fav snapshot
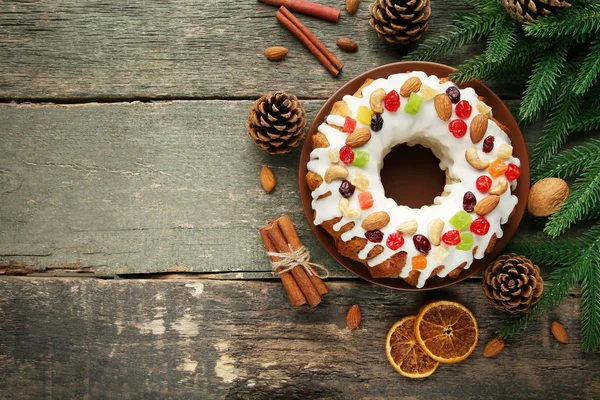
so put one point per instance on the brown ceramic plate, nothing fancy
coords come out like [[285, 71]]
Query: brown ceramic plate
[[424, 177]]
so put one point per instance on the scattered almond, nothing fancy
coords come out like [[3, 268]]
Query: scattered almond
[[346, 44], [376, 220], [359, 137], [546, 196], [276, 53], [267, 179], [352, 6], [479, 127], [494, 347], [487, 204], [559, 332], [412, 85], [353, 317], [443, 106]]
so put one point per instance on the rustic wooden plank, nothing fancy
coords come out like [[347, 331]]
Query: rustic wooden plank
[[74, 50], [141, 187], [89, 338]]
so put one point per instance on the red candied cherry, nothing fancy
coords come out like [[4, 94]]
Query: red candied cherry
[[346, 155], [483, 183], [469, 201], [394, 241], [488, 144], [480, 226], [513, 172], [349, 125], [392, 101], [375, 236], [463, 109], [458, 128], [451, 238], [422, 244]]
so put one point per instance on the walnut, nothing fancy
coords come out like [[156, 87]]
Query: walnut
[[546, 196]]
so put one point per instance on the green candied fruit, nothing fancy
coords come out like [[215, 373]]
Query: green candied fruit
[[461, 220], [361, 158], [414, 104], [466, 241]]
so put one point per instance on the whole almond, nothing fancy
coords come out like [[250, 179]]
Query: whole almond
[[412, 85], [479, 127], [376, 220], [443, 106], [267, 179], [346, 44], [352, 6], [559, 332], [276, 53], [487, 204], [359, 137], [353, 317], [494, 347]]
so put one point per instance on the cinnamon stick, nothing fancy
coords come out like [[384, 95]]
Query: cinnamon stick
[[285, 21], [291, 236], [301, 277], [311, 36], [308, 8], [289, 283]]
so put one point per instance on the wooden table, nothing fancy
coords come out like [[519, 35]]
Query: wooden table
[[130, 207]]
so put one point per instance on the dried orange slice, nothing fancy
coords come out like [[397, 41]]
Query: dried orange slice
[[404, 353], [446, 331]]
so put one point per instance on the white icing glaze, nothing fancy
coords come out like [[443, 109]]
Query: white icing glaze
[[424, 128]]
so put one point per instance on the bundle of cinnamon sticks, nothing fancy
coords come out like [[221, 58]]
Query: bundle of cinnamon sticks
[[280, 236]]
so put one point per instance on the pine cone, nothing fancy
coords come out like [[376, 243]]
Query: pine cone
[[528, 10], [276, 122], [512, 283], [399, 21]]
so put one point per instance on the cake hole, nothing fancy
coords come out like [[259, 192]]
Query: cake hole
[[412, 176]]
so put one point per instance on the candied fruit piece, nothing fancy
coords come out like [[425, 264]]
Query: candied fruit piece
[[346, 188], [512, 172], [451, 238], [440, 253], [461, 220], [483, 183], [364, 115], [376, 122], [375, 236], [480, 226], [463, 109], [333, 155], [391, 101], [427, 92], [414, 104], [469, 201], [365, 200], [349, 125], [361, 158], [346, 155], [394, 241], [454, 94], [488, 144], [466, 241], [497, 168], [422, 244], [505, 150], [361, 181], [483, 108], [419, 262], [458, 128]]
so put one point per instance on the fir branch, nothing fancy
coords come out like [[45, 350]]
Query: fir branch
[[502, 40], [547, 68], [590, 286], [589, 121], [543, 251], [589, 70], [575, 21], [570, 162], [585, 194]]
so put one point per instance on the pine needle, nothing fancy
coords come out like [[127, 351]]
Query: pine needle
[[589, 70], [589, 121], [576, 21], [590, 286], [570, 162], [501, 41], [543, 251]]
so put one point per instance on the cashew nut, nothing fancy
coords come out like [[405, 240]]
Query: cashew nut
[[335, 172], [350, 213], [376, 99], [434, 231], [407, 227], [500, 188], [473, 159]]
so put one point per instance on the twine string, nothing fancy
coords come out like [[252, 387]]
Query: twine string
[[300, 257]]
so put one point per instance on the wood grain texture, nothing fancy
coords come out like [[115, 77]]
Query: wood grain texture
[[89, 338], [142, 187], [77, 50]]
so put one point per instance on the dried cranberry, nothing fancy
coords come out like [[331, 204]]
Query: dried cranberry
[[458, 128], [454, 94], [480, 226], [376, 122], [488, 144], [451, 238], [483, 183], [469, 202], [463, 109], [346, 188], [513, 172], [346, 155], [394, 241], [422, 244], [392, 101], [349, 125], [375, 236]]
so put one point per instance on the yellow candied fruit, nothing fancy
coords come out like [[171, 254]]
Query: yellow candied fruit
[[498, 168], [419, 262], [505, 150], [483, 108], [364, 115], [427, 92], [334, 156], [440, 253], [361, 181]]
